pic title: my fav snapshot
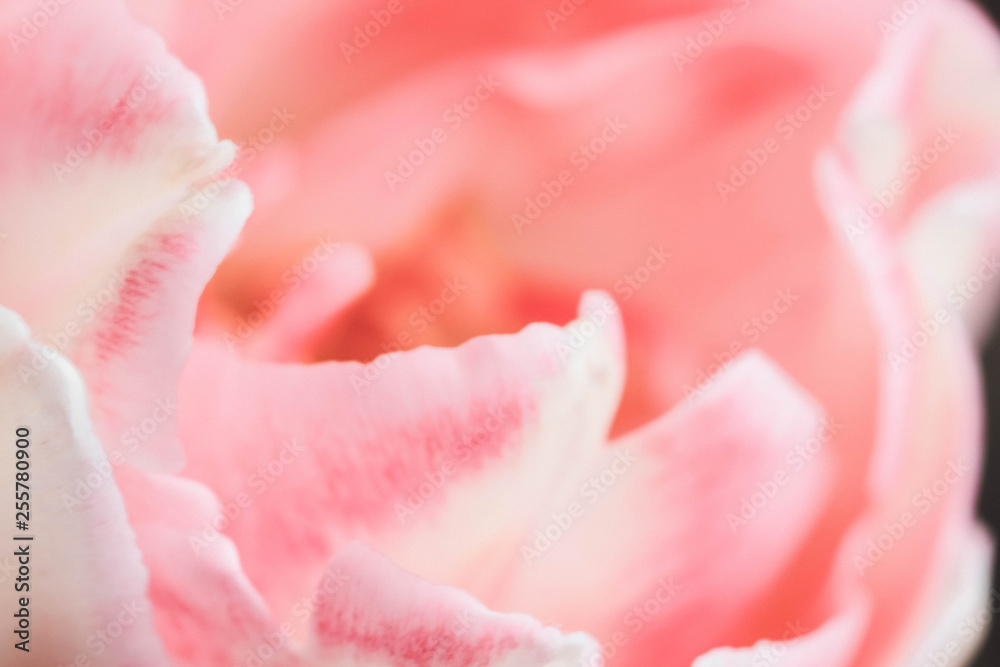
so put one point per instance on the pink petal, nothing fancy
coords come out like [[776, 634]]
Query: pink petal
[[114, 226], [287, 324], [83, 576], [309, 43], [59, 90], [657, 182], [336, 451], [133, 353], [924, 123], [961, 613], [833, 644], [377, 614], [205, 609], [725, 484], [924, 469], [654, 181]]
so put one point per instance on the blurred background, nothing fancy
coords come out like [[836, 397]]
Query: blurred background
[[989, 497]]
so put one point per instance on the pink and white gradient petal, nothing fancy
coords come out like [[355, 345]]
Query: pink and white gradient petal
[[334, 452], [83, 574], [380, 615], [111, 225]]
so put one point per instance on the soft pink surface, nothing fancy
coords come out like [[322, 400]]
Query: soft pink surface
[[310, 414]]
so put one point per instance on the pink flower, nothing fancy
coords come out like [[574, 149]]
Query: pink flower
[[769, 226]]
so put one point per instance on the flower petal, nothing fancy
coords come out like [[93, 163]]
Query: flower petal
[[83, 575], [922, 136], [132, 353], [309, 43], [205, 610], [962, 612], [924, 467], [378, 614], [288, 324], [333, 452], [112, 227], [682, 133], [105, 132], [727, 483], [834, 644]]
